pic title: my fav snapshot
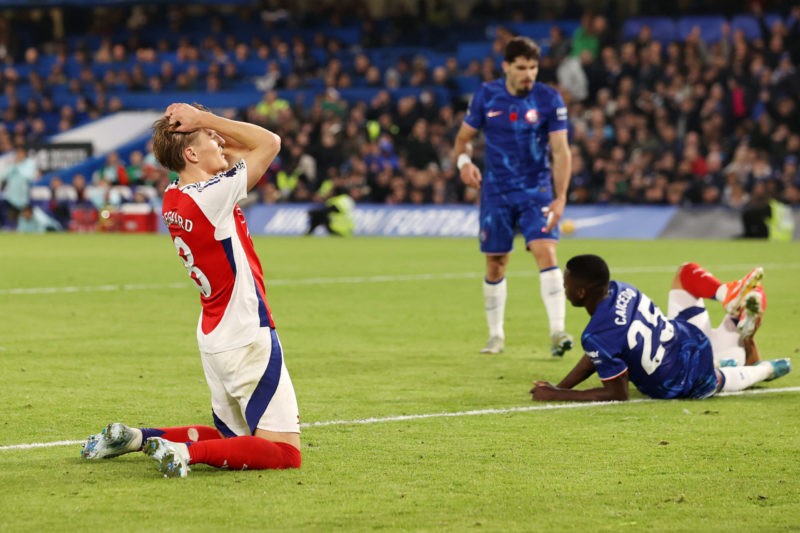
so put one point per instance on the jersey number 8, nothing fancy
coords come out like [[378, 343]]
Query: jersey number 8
[[200, 279]]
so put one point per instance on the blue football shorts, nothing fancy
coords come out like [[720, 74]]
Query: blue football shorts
[[499, 225]]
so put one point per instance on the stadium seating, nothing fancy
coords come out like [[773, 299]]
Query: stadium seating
[[663, 29], [710, 27], [748, 24], [469, 42]]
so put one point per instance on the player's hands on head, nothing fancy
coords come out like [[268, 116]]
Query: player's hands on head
[[471, 175], [184, 117], [543, 391]]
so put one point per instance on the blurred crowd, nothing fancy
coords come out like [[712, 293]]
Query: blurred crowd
[[651, 122]]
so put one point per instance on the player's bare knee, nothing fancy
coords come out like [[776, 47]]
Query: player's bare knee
[[544, 253], [496, 267]]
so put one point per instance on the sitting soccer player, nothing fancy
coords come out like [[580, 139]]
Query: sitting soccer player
[[629, 338]]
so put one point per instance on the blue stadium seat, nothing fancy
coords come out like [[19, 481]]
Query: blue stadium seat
[[748, 24], [160, 101], [151, 68], [435, 59], [252, 67], [320, 55], [772, 18], [471, 51], [710, 27], [535, 30], [663, 29], [349, 35]]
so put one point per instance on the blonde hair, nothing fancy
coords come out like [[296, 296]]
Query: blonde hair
[[168, 144]]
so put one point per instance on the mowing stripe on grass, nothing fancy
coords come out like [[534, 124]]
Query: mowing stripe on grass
[[401, 418], [364, 279]]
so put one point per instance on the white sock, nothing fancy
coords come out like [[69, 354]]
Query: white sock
[[722, 292], [551, 285], [494, 300], [182, 449], [740, 377], [136, 444]]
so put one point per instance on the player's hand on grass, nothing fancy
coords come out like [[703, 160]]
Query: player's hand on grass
[[543, 391]]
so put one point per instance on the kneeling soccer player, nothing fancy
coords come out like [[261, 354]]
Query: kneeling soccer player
[[253, 401], [629, 338]]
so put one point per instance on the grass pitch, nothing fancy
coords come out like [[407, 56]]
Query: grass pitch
[[98, 328]]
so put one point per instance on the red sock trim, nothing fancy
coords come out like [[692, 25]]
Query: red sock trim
[[699, 282], [245, 453]]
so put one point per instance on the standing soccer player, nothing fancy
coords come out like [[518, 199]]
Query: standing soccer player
[[253, 402], [524, 124]]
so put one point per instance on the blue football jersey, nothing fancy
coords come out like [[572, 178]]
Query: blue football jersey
[[664, 358], [516, 130]]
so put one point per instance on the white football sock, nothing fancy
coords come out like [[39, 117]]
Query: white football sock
[[494, 300], [551, 285], [740, 377], [722, 292]]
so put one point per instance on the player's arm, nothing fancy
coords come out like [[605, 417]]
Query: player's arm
[[562, 171], [470, 174], [614, 389], [256, 145], [751, 353]]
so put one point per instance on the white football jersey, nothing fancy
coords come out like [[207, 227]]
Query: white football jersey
[[210, 233]]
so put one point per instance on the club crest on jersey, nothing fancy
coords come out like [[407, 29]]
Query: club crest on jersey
[[531, 116]]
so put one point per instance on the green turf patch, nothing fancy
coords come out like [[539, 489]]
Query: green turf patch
[[98, 328]]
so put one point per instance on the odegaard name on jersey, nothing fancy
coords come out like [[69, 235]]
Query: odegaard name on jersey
[[172, 218]]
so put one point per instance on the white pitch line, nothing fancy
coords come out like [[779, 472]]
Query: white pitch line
[[361, 279], [475, 412]]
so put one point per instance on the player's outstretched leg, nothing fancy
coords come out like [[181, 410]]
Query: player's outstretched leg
[[738, 378], [780, 367], [698, 281], [236, 453], [115, 439], [754, 304], [737, 291], [172, 457]]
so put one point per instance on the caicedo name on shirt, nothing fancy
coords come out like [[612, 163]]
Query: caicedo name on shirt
[[621, 306], [172, 218]]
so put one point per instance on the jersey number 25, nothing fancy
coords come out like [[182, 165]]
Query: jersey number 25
[[642, 330]]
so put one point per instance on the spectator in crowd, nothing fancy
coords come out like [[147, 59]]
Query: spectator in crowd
[[15, 183], [335, 215], [62, 197], [113, 171], [33, 219]]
